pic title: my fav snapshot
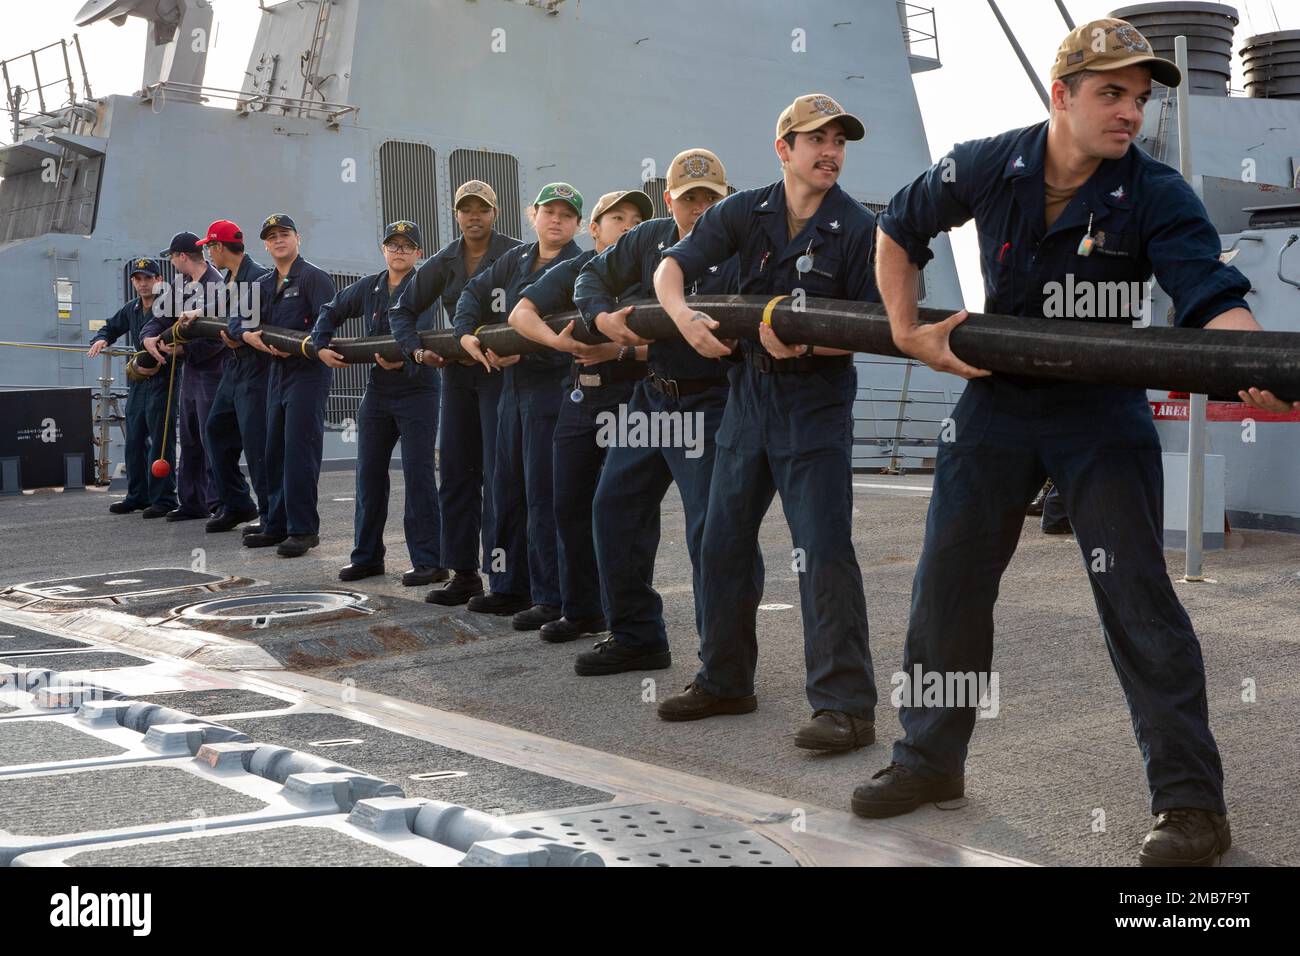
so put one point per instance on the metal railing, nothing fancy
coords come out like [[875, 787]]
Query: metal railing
[[914, 20], [246, 102], [17, 96]]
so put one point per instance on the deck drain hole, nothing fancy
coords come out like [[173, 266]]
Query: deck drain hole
[[259, 610]]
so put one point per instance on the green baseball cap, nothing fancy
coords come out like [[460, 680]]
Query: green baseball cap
[[552, 191]]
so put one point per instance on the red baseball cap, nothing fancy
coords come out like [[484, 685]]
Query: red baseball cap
[[223, 230]]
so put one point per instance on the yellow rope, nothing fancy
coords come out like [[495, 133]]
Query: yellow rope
[[167, 415], [63, 348]]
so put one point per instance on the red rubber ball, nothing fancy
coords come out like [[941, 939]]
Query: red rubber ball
[[161, 468]]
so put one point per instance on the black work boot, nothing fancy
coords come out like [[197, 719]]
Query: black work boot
[[155, 511], [534, 617], [695, 703], [835, 730], [563, 630], [423, 574], [226, 520], [1035, 509], [295, 545], [611, 657], [499, 604], [124, 508], [898, 789], [1186, 836], [462, 587], [358, 572], [261, 539]]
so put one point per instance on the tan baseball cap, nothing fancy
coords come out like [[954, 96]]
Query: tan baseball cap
[[635, 196], [1111, 44], [694, 168], [813, 111], [478, 189]]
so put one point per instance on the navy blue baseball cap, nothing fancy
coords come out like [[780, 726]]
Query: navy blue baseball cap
[[274, 220], [406, 229], [183, 242], [145, 265]]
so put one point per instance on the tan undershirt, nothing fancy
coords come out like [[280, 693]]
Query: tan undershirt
[[793, 224], [541, 263], [471, 263], [1055, 200]]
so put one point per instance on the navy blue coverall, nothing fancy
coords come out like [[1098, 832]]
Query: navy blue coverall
[[398, 405], [788, 429], [146, 411], [297, 391], [531, 392], [469, 406], [237, 421], [684, 386], [199, 375], [1098, 442], [577, 455]]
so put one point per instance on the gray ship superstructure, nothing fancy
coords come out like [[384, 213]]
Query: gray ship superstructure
[[1245, 161], [355, 113]]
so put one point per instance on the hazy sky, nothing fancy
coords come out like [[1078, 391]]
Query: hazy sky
[[957, 101]]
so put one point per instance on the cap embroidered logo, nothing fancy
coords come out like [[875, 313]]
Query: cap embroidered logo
[[1132, 41], [695, 167], [825, 105]]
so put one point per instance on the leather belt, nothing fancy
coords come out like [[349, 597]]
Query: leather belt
[[677, 387]]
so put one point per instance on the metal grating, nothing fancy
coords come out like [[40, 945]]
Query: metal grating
[[498, 170], [655, 834], [408, 185], [348, 384]]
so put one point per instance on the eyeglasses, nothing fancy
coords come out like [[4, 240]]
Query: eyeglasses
[[399, 247]]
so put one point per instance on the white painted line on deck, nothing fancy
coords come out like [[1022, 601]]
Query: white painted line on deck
[[915, 490]]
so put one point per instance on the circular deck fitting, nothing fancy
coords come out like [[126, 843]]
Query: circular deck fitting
[[261, 609]]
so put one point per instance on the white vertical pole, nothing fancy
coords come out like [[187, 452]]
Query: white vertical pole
[[1196, 406]]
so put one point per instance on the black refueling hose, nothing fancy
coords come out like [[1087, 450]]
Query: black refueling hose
[[1208, 361]]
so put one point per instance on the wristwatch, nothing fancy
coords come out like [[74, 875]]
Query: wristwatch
[[807, 351], [418, 355]]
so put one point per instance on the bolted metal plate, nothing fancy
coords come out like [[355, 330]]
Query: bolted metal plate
[[658, 834], [118, 584], [275, 846], [259, 610]]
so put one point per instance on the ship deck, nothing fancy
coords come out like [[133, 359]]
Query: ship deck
[[455, 706]]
